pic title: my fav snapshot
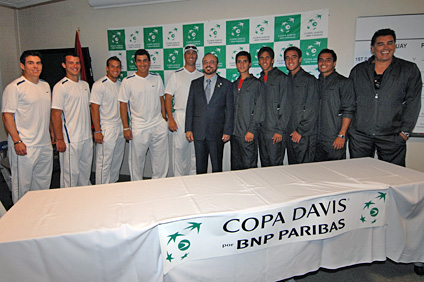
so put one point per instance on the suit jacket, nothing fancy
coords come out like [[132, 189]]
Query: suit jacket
[[210, 121]]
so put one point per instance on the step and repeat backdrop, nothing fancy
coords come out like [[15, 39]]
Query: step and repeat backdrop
[[409, 43], [225, 38]]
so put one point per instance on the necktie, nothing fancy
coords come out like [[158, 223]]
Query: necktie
[[208, 90]]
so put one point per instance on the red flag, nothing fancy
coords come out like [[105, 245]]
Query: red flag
[[78, 51]]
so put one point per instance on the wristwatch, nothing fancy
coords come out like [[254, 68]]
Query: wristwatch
[[341, 136], [406, 134]]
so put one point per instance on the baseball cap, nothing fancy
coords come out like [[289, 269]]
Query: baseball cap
[[190, 47]]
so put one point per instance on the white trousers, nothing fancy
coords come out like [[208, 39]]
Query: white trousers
[[30, 172], [154, 139], [75, 164], [109, 155], [183, 156]]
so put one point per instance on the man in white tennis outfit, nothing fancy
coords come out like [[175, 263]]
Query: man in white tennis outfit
[[108, 135], [184, 158], [71, 122], [26, 116], [141, 96]]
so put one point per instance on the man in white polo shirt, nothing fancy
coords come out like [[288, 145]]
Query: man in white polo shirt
[[107, 124], [141, 95], [184, 159], [71, 122], [26, 116]]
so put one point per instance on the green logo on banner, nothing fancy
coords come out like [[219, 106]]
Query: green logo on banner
[[116, 39], [123, 75], [313, 22], [193, 34], [213, 31], [173, 58], [373, 211], [287, 28], [161, 73], [310, 50], [131, 60], [254, 49], [232, 74], [238, 32], [153, 37], [260, 28], [172, 34], [220, 52]]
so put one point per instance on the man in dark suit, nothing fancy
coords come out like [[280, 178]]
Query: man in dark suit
[[209, 115]]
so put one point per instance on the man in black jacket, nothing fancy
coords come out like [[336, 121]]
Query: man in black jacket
[[388, 102], [304, 102], [248, 94], [273, 135], [337, 106]]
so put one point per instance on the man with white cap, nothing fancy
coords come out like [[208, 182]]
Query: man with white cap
[[177, 88]]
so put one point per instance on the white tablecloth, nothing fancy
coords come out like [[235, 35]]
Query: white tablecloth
[[110, 232]]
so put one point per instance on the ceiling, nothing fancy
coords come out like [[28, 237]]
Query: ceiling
[[96, 4], [19, 4]]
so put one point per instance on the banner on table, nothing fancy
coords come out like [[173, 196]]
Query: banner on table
[[229, 234], [225, 38]]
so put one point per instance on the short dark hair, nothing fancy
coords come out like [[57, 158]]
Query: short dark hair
[[328, 51], [266, 49], [293, 48], [141, 52], [27, 53], [72, 54], [114, 58], [244, 53], [210, 53], [383, 32]]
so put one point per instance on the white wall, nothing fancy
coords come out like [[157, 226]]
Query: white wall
[[53, 26], [9, 67]]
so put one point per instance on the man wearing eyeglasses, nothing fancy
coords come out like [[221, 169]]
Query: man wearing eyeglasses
[[183, 158], [388, 102], [337, 106], [209, 115]]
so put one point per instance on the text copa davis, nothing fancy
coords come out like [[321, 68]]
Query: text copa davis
[[250, 224]]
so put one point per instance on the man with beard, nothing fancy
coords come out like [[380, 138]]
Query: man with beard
[[209, 115]]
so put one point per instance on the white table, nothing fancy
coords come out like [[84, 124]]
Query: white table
[[111, 233]]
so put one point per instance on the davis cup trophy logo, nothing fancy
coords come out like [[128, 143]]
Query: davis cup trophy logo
[[260, 28], [313, 22], [287, 25], [179, 243], [312, 50], [134, 36], [236, 30], [153, 36], [193, 32], [372, 208], [213, 32], [172, 57], [172, 34]]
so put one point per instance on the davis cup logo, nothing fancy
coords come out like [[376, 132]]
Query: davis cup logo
[[213, 32], [115, 37], [236, 30], [233, 55], [172, 57], [312, 50], [260, 28], [172, 34], [133, 37], [313, 22], [192, 33], [178, 246], [287, 25], [153, 36], [154, 56]]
